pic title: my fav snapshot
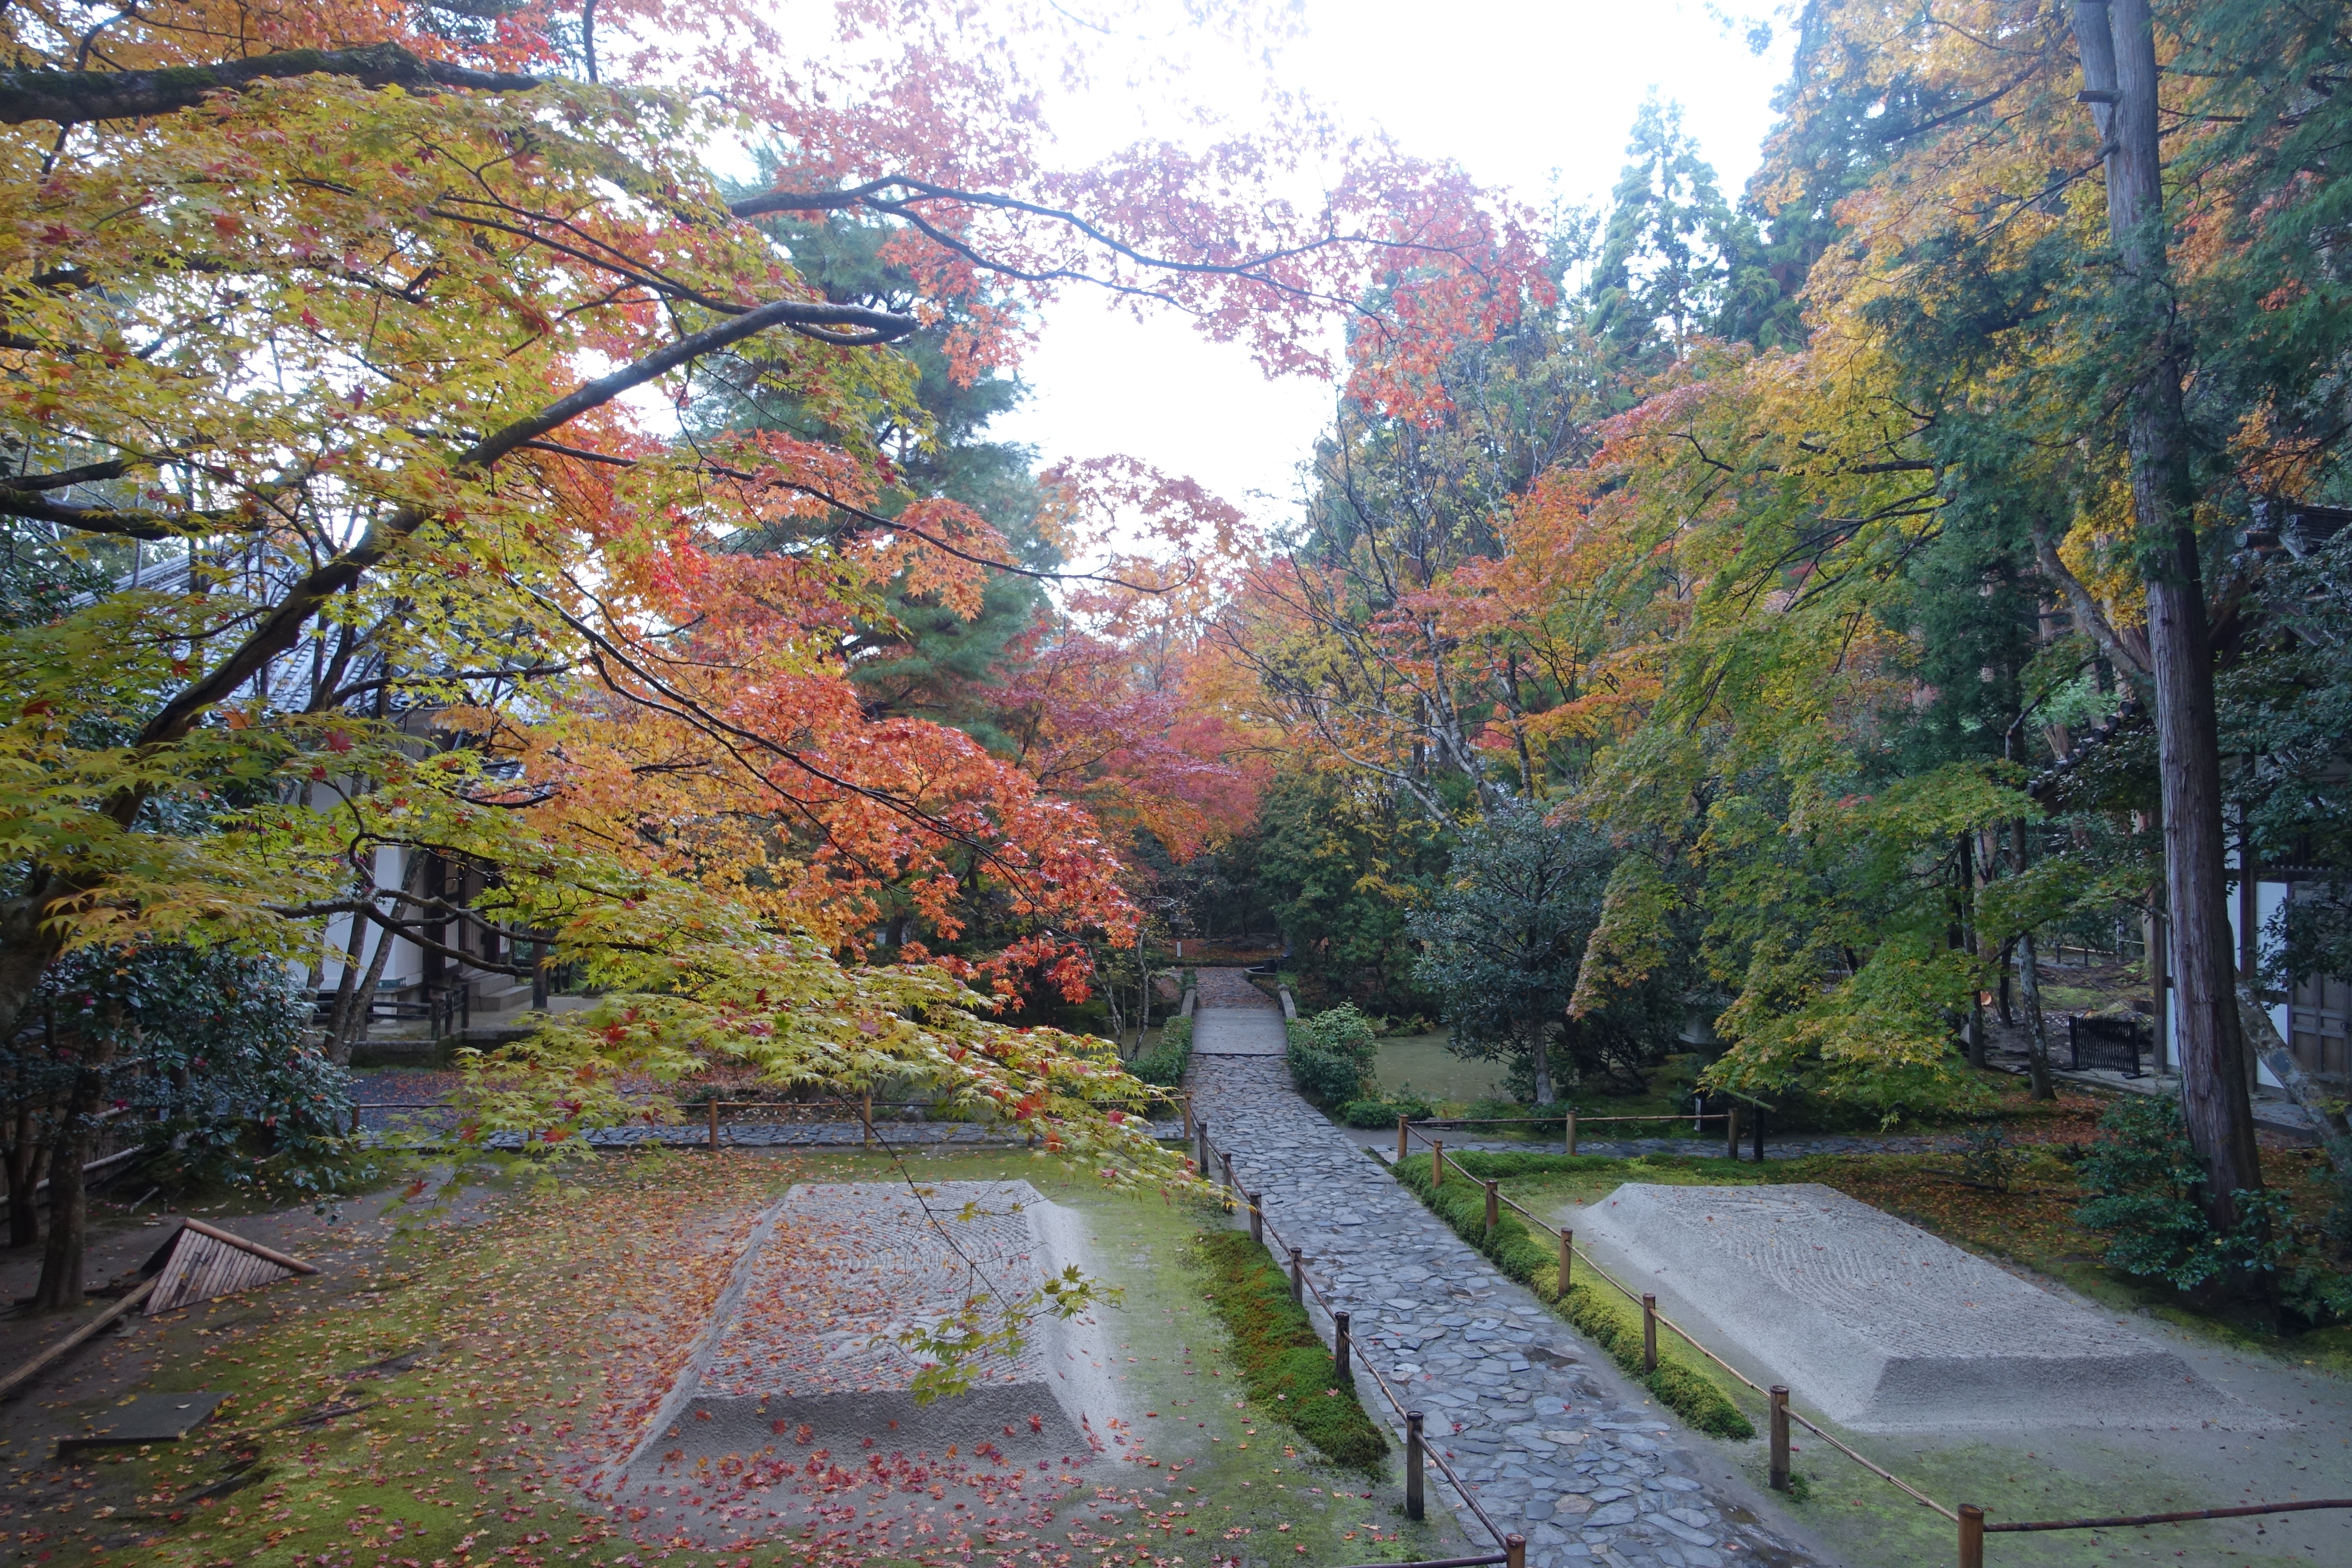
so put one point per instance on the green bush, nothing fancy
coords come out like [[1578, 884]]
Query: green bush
[[1384, 1113], [1164, 1063], [1283, 1364], [1599, 1313], [1331, 1055]]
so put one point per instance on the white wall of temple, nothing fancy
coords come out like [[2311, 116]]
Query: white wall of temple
[[2269, 898]]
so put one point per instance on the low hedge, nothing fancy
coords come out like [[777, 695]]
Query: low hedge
[[1283, 1364], [1164, 1063], [1599, 1312]]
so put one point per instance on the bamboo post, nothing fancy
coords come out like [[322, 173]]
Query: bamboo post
[[1299, 1277], [1780, 1436], [1571, 1131], [1971, 1536], [714, 1127], [1515, 1551], [1567, 1261], [1339, 1346], [1649, 1333], [1257, 1219], [1437, 1163], [1400, 1137], [1494, 1206], [1413, 1505], [1731, 1132]]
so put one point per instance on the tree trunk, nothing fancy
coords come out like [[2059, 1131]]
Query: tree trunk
[[25, 1148], [61, 1263], [2117, 43], [1541, 1060], [2028, 977]]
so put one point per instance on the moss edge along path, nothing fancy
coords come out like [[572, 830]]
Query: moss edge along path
[[1547, 1436], [1683, 1383]]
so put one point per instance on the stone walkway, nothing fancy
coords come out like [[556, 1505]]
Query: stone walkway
[[1235, 1018], [1549, 1439]]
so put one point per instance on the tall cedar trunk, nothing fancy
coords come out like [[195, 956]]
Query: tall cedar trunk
[[2028, 978], [1542, 1059], [61, 1261], [2117, 43], [1976, 1024]]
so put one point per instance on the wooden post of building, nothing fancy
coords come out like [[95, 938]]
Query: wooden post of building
[[1400, 1137], [1299, 1277], [1780, 1436], [1649, 1333], [1413, 1505], [1257, 1219], [1567, 1262], [1494, 1206], [1971, 1536], [1571, 1131], [714, 1127], [1340, 1348], [1731, 1132]]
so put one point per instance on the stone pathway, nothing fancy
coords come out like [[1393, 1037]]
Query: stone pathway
[[1549, 1439], [1235, 1018]]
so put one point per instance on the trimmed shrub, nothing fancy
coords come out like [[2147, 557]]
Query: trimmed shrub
[[1384, 1113], [1283, 1364], [1600, 1313], [1164, 1063], [1331, 1054]]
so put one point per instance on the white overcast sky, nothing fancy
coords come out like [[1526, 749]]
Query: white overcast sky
[[1532, 95]]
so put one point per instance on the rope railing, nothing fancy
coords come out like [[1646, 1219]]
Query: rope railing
[[1513, 1546], [1650, 1312]]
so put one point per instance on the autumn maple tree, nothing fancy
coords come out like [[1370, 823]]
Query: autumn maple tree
[[416, 351]]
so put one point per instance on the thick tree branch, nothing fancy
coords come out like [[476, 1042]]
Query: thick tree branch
[[2130, 656], [282, 627], [78, 98]]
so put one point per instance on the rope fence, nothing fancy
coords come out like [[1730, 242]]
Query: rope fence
[[1968, 1517], [1417, 1449]]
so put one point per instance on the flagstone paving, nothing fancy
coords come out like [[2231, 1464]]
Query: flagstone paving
[[1551, 1441]]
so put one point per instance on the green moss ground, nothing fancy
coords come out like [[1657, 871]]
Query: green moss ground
[[520, 1326]]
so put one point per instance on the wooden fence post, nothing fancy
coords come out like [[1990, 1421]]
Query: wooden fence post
[[1226, 1155], [1759, 1135], [1731, 1132], [1571, 1131], [1299, 1277], [1437, 1163], [1649, 1333], [1400, 1137], [1257, 1219], [1339, 1346], [1971, 1536], [1780, 1436], [1413, 1505], [1515, 1551], [1494, 1206], [1201, 1129], [1567, 1262]]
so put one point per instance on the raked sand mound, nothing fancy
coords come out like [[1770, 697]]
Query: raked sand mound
[[794, 1420], [1878, 1323]]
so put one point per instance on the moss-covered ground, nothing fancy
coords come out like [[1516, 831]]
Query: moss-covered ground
[[430, 1401]]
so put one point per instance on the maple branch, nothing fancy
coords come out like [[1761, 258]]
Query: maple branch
[[2132, 657], [151, 525], [282, 627], [79, 97]]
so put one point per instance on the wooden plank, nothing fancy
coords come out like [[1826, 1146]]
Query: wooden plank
[[292, 1265], [26, 1372]]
